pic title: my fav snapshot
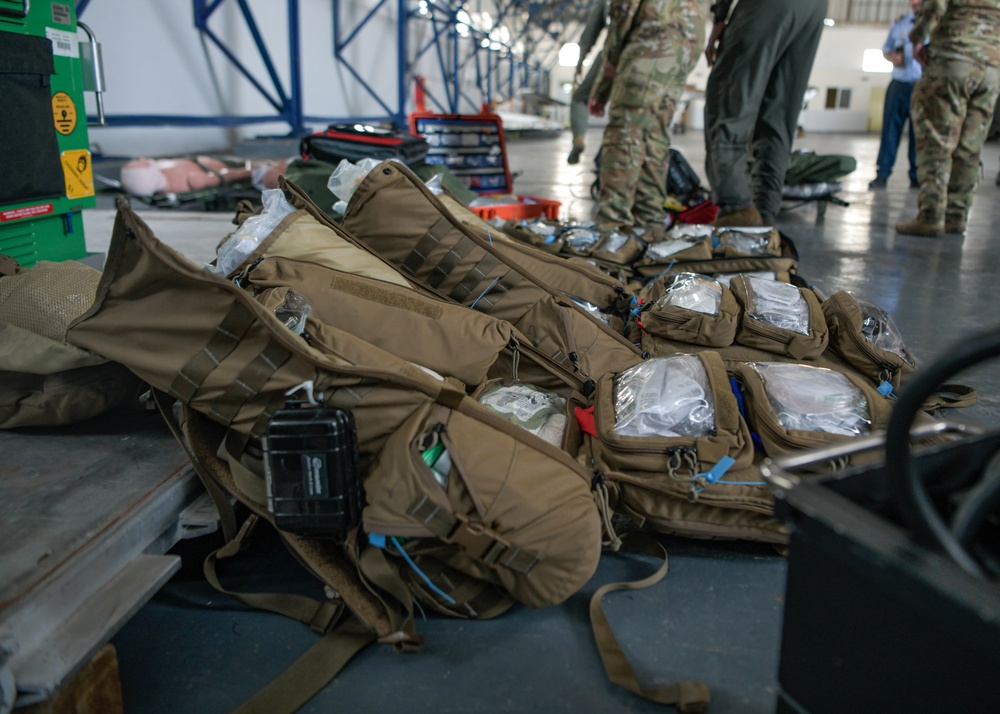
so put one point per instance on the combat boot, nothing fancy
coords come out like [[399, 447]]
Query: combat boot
[[922, 225], [748, 216], [954, 224]]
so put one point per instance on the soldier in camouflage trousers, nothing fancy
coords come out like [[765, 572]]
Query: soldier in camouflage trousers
[[651, 47], [952, 107]]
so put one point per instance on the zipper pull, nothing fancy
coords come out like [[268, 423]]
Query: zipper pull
[[699, 482], [515, 359], [242, 279]]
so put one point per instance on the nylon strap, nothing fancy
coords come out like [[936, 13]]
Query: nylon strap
[[686, 695], [311, 672], [248, 383], [495, 294], [476, 539], [476, 276], [451, 260], [347, 398], [236, 441], [418, 256], [478, 598], [319, 615], [223, 341], [227, 516], [950, 396], [375, 569]]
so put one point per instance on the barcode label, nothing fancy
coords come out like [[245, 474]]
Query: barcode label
[[64, 44]]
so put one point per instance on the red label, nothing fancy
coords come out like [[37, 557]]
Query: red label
[[26, 212]]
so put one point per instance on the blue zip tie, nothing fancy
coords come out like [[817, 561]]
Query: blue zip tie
[[447, 598], [743, 483], [719, 470], [483, 293], [885, 389], [377, 540]]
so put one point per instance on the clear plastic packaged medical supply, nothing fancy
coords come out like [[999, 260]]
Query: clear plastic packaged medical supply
[[671, 246], [540, 412], [810, 398], [590, 307], [879, 329], [747, 241], [581, 238], [725, 278], [664, 396], [779, 304], [690, 230], [691, 291], [293, 312], [346, 178], [248, 236], [613, 242]]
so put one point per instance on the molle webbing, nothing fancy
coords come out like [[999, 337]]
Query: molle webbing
[[225, 339], [248, 383], [477, 540], [424, 246], [416, 261], [492, 297]]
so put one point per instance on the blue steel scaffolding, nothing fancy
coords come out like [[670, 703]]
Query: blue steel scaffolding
[[468, 51]]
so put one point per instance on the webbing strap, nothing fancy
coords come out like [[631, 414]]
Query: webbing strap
[[475, 539], [305, 677], [227, 516], [236, 441], [319, 615], [686, 695], [223, 341], [450, 260], [375, 569], [347, 398], [494, 295], [950, 396], [248, 383], [418, 256], [475, 277], [477, 598]]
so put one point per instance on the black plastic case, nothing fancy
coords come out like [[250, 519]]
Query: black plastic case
[[312, 472]]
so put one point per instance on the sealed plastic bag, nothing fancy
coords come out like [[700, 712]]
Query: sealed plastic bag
[[760, 241], [879, 329], [779, 304], [691, 291], [665, 396], [540, 412], [807, 398], [346, 178], [248, 236]]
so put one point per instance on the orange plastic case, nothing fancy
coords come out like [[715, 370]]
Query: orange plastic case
[[472, 146], [526, 207]]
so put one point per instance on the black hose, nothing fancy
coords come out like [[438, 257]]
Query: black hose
[[916, 508], [977, 504]]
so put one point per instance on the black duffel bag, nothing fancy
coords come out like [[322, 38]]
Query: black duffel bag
[[359, 141]]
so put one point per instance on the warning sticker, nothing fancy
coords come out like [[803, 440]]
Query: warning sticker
[[63, 113], [14, 214], [78, 173], [64, 44]]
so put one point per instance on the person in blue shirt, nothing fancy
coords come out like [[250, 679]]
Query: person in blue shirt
[[905, 72]]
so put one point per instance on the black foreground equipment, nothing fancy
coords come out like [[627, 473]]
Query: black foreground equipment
[[892, 598]]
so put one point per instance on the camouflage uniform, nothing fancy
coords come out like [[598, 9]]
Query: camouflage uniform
[[653, 45], [953, 103], [754, 97]]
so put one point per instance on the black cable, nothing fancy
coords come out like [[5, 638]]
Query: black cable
[[978, 504], [918, 512]]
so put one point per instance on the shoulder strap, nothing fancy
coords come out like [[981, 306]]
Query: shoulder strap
[[951, 396], [686, 695]]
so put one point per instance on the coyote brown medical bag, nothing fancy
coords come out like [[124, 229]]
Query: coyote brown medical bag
[[514, 512], [399, 219]]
